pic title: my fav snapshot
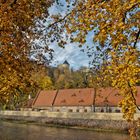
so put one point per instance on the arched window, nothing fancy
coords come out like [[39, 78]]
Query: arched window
[[110, 110], [102, 110], [85, 110], [77, 110]]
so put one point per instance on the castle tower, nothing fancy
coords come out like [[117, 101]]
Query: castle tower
[[64, 66]]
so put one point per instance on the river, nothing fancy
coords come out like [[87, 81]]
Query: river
[[16, 131]]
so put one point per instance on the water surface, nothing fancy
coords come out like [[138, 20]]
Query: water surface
[[15, 131]]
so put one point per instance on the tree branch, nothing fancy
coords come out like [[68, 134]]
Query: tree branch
[[60, 20], [128, 10], [4, 1], [14, 2], [136, 40], [133, 97]]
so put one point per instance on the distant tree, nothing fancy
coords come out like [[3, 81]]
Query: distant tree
[[41, 79], [79, 79], [63, 78]]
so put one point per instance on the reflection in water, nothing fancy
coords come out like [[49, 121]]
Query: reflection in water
[[14, 131]]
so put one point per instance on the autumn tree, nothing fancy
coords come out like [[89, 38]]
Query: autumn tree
[[42, 81], [62, 77], [19, 23]]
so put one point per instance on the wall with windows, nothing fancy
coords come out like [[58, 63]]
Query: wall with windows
[[79, 109]]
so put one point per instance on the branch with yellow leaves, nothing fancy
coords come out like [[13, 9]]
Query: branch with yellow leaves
[[129, 9], [137, 37], [11, 4], [133, 97]]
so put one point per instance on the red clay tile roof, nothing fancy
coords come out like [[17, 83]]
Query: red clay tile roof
[[74, 97], [45, 98], [138, 95], [107, 96], [111, 97], [80, 97]]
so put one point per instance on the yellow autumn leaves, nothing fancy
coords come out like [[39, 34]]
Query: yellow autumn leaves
[[116, 22], [17, 22]]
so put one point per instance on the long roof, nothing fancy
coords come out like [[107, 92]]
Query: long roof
[[80, 97], [74, 97]]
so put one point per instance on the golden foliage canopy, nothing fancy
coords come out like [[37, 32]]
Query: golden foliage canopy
[[116, 23], [18, 21]]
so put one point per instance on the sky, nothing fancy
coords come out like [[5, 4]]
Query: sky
[[72, 53]]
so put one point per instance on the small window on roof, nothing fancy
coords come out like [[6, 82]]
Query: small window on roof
[[80, 101], [63, 101], [117, 94], [73, 94]]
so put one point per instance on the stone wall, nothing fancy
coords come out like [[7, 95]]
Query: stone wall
[[71, 115], [105, 121]]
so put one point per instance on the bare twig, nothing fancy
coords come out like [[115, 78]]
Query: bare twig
[[60, 20]]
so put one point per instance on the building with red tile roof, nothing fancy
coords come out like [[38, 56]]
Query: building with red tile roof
[[74, 97], [80, 100], [45, 99]]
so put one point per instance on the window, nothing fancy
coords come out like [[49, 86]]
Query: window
[[63, 101], [102, 110], [85, 110], [81, 101], [77, 110], [70, 110], [109, 110], [73, 95], [117, 111]]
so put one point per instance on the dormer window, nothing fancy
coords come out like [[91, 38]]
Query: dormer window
[[73, 95], [63, 101], [80, 101]]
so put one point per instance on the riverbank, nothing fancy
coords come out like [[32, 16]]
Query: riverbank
[[85, 121], [94, 125], [28, 131]]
